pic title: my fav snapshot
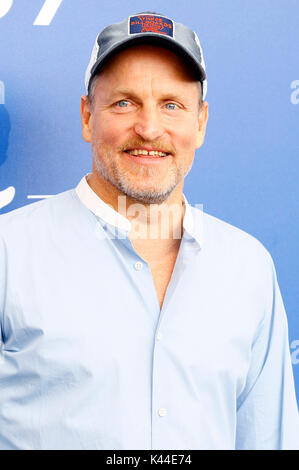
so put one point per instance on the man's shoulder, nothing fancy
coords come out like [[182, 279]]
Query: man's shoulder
[[37, 213], [225, 237]]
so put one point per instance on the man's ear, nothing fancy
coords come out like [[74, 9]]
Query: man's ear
[[202, 124], [85, 110]]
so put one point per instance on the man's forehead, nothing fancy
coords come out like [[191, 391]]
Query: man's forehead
[[161, 91], [142, 84], [149, 53]]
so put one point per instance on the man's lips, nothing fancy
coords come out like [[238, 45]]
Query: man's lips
[[139, 157], [145, 147], [147, 152]]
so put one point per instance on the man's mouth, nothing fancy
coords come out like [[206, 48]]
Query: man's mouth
[[146, 153]]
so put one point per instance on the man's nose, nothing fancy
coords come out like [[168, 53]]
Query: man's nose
[[148, 124]]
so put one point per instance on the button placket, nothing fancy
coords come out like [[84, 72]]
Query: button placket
[[162, 412], [159, 335], [138, 265]]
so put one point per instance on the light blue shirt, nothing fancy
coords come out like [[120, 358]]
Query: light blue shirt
[[88, 360]]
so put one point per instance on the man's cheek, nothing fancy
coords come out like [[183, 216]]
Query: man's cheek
[[111, 134], [186, 141]]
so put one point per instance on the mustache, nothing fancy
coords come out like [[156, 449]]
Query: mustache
[[155, 145]]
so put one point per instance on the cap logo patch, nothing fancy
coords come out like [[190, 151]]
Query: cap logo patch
[[150, 24]]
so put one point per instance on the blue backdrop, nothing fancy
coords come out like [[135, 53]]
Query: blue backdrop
[[247, 171]]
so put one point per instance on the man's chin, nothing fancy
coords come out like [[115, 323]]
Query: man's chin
[[146, 196], [143, 195]]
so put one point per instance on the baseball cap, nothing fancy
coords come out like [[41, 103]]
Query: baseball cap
[[147, 28]]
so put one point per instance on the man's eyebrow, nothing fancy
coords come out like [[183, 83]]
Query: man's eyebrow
[[131, 94]]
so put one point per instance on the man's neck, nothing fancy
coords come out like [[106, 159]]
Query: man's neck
[[150, 222]]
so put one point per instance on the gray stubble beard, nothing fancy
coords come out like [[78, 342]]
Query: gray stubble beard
[[119, 180]]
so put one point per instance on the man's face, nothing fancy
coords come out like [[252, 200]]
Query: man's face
[[145, 99]]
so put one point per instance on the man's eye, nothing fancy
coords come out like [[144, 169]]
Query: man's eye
[[171, 105], [122, 103]]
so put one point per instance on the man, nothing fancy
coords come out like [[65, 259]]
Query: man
[[129, 319]]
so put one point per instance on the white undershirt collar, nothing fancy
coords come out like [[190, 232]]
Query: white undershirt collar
[[109, 215]]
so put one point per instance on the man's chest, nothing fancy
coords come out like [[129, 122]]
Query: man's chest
[[93, 326], [161, 272], [102, 307], [161, 264]]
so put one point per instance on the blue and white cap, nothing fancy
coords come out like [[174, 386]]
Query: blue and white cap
[[148, 28]]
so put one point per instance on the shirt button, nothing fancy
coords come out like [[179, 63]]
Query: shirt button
[[159, 336], [162, 412], [138, 265]]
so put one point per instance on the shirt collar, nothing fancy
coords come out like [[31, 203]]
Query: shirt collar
[[109, 215]]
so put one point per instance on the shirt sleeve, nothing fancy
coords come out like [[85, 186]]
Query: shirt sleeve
[[2, 286], [267, 412]]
